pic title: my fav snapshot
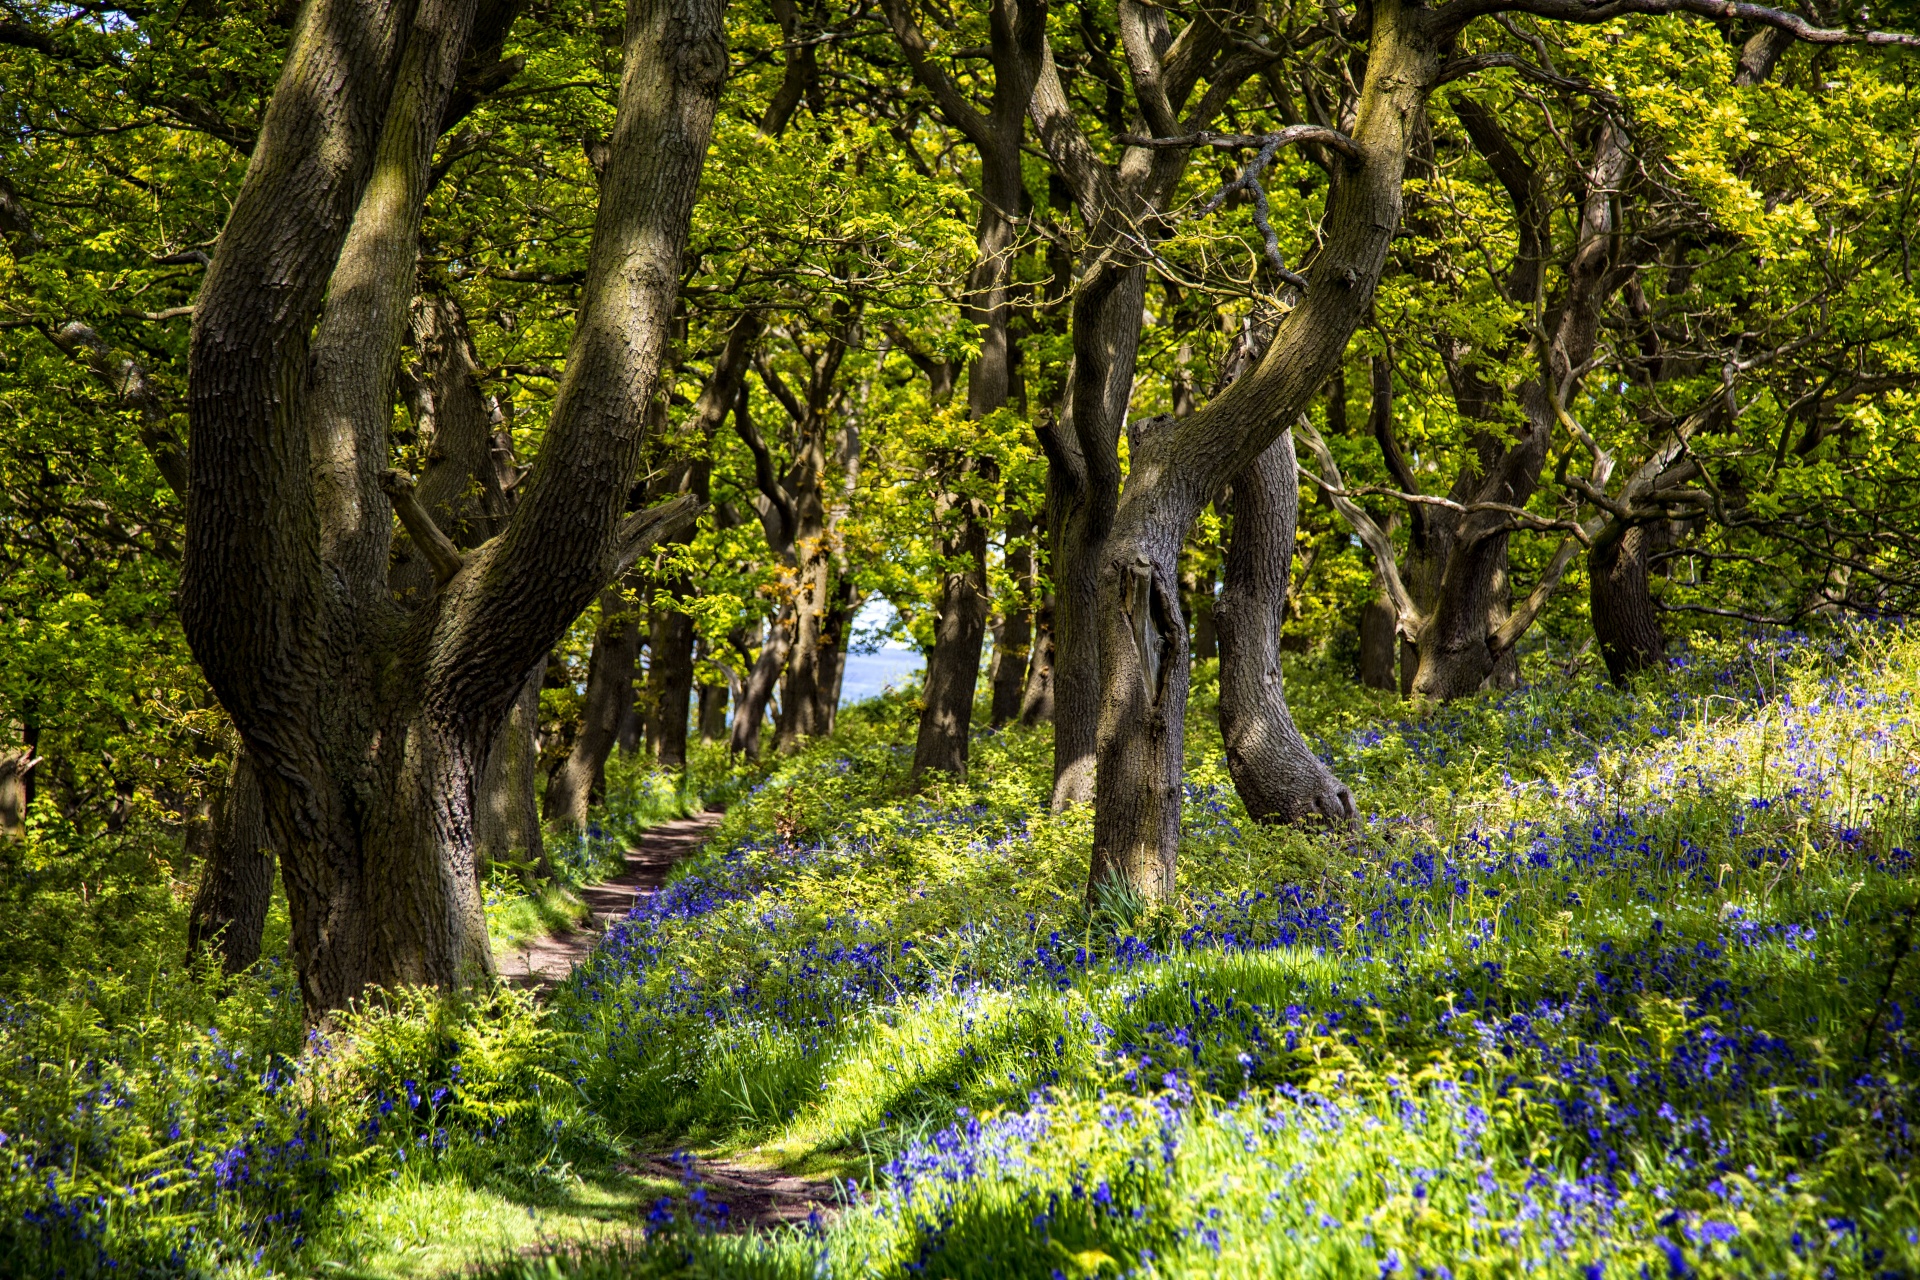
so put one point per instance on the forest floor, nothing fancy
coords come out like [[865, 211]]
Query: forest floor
[[756, 1196], [1606, 983], [543, 963]]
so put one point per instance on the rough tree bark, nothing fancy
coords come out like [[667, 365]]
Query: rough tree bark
[[1624, 620], [229, 912], [1277, 775], [368, 725]]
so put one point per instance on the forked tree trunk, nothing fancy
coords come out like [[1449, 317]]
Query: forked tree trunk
[[229, 912], [1278, 776], [1624, 620], [368, 726], [1083, 487], [1176, 468], [581, 778]]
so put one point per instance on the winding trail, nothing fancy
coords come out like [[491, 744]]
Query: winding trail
[[544, 963], [755, 1196]]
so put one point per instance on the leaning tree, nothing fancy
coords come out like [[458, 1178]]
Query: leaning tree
[[368, 723], [1130, 532]]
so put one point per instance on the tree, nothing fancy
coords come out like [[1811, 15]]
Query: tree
[[369, 726]]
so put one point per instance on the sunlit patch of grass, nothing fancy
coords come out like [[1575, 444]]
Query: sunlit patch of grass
[[516, 917], [415, 1225]]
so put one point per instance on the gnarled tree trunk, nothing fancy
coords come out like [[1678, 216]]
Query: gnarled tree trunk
[[1176, 468], [369, 726], [1278, 776]]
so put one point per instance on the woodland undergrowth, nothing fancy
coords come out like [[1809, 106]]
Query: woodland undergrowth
[[1605, 983]]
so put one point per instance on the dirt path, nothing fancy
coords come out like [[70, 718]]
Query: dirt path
[[545, 962], [755, 1197]]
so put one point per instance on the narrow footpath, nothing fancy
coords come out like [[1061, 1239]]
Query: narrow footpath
[[756, 1197], [544, 963]]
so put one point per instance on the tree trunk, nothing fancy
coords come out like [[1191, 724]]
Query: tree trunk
[[581, 778], [799, 691], [16, 793], [712, 715], [752, 707], [1624, 620], [1278, 776], [960, 627], [1013, 639], [670, 682], [1177, 467], [1378, 646], [369, 726], [1083, 487], [836, 634], [1036, 700], [1463, 643], [229, 911], [506, 820]]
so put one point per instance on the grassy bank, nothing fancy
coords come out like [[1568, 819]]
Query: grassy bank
[[1605, 981]]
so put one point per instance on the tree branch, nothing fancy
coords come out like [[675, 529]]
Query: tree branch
[[1406, 616], [644, 529], [435, 545], [1450, 18], [946, 95]]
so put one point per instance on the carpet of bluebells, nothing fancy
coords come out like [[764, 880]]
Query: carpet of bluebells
[[1606, 983]]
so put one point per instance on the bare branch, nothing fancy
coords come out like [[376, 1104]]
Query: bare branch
[[1407, 617], [1291, 135], [435, 545], [1473, 65], [644, 529]]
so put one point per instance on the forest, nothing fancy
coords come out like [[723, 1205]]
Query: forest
[[1406, 513]]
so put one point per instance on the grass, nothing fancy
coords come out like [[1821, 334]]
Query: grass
[[1607, 983]]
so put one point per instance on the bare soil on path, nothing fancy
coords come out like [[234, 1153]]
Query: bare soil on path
[[544, 963], [755, 1196]]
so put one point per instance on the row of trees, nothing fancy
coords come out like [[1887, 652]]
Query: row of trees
[[402, 348]]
